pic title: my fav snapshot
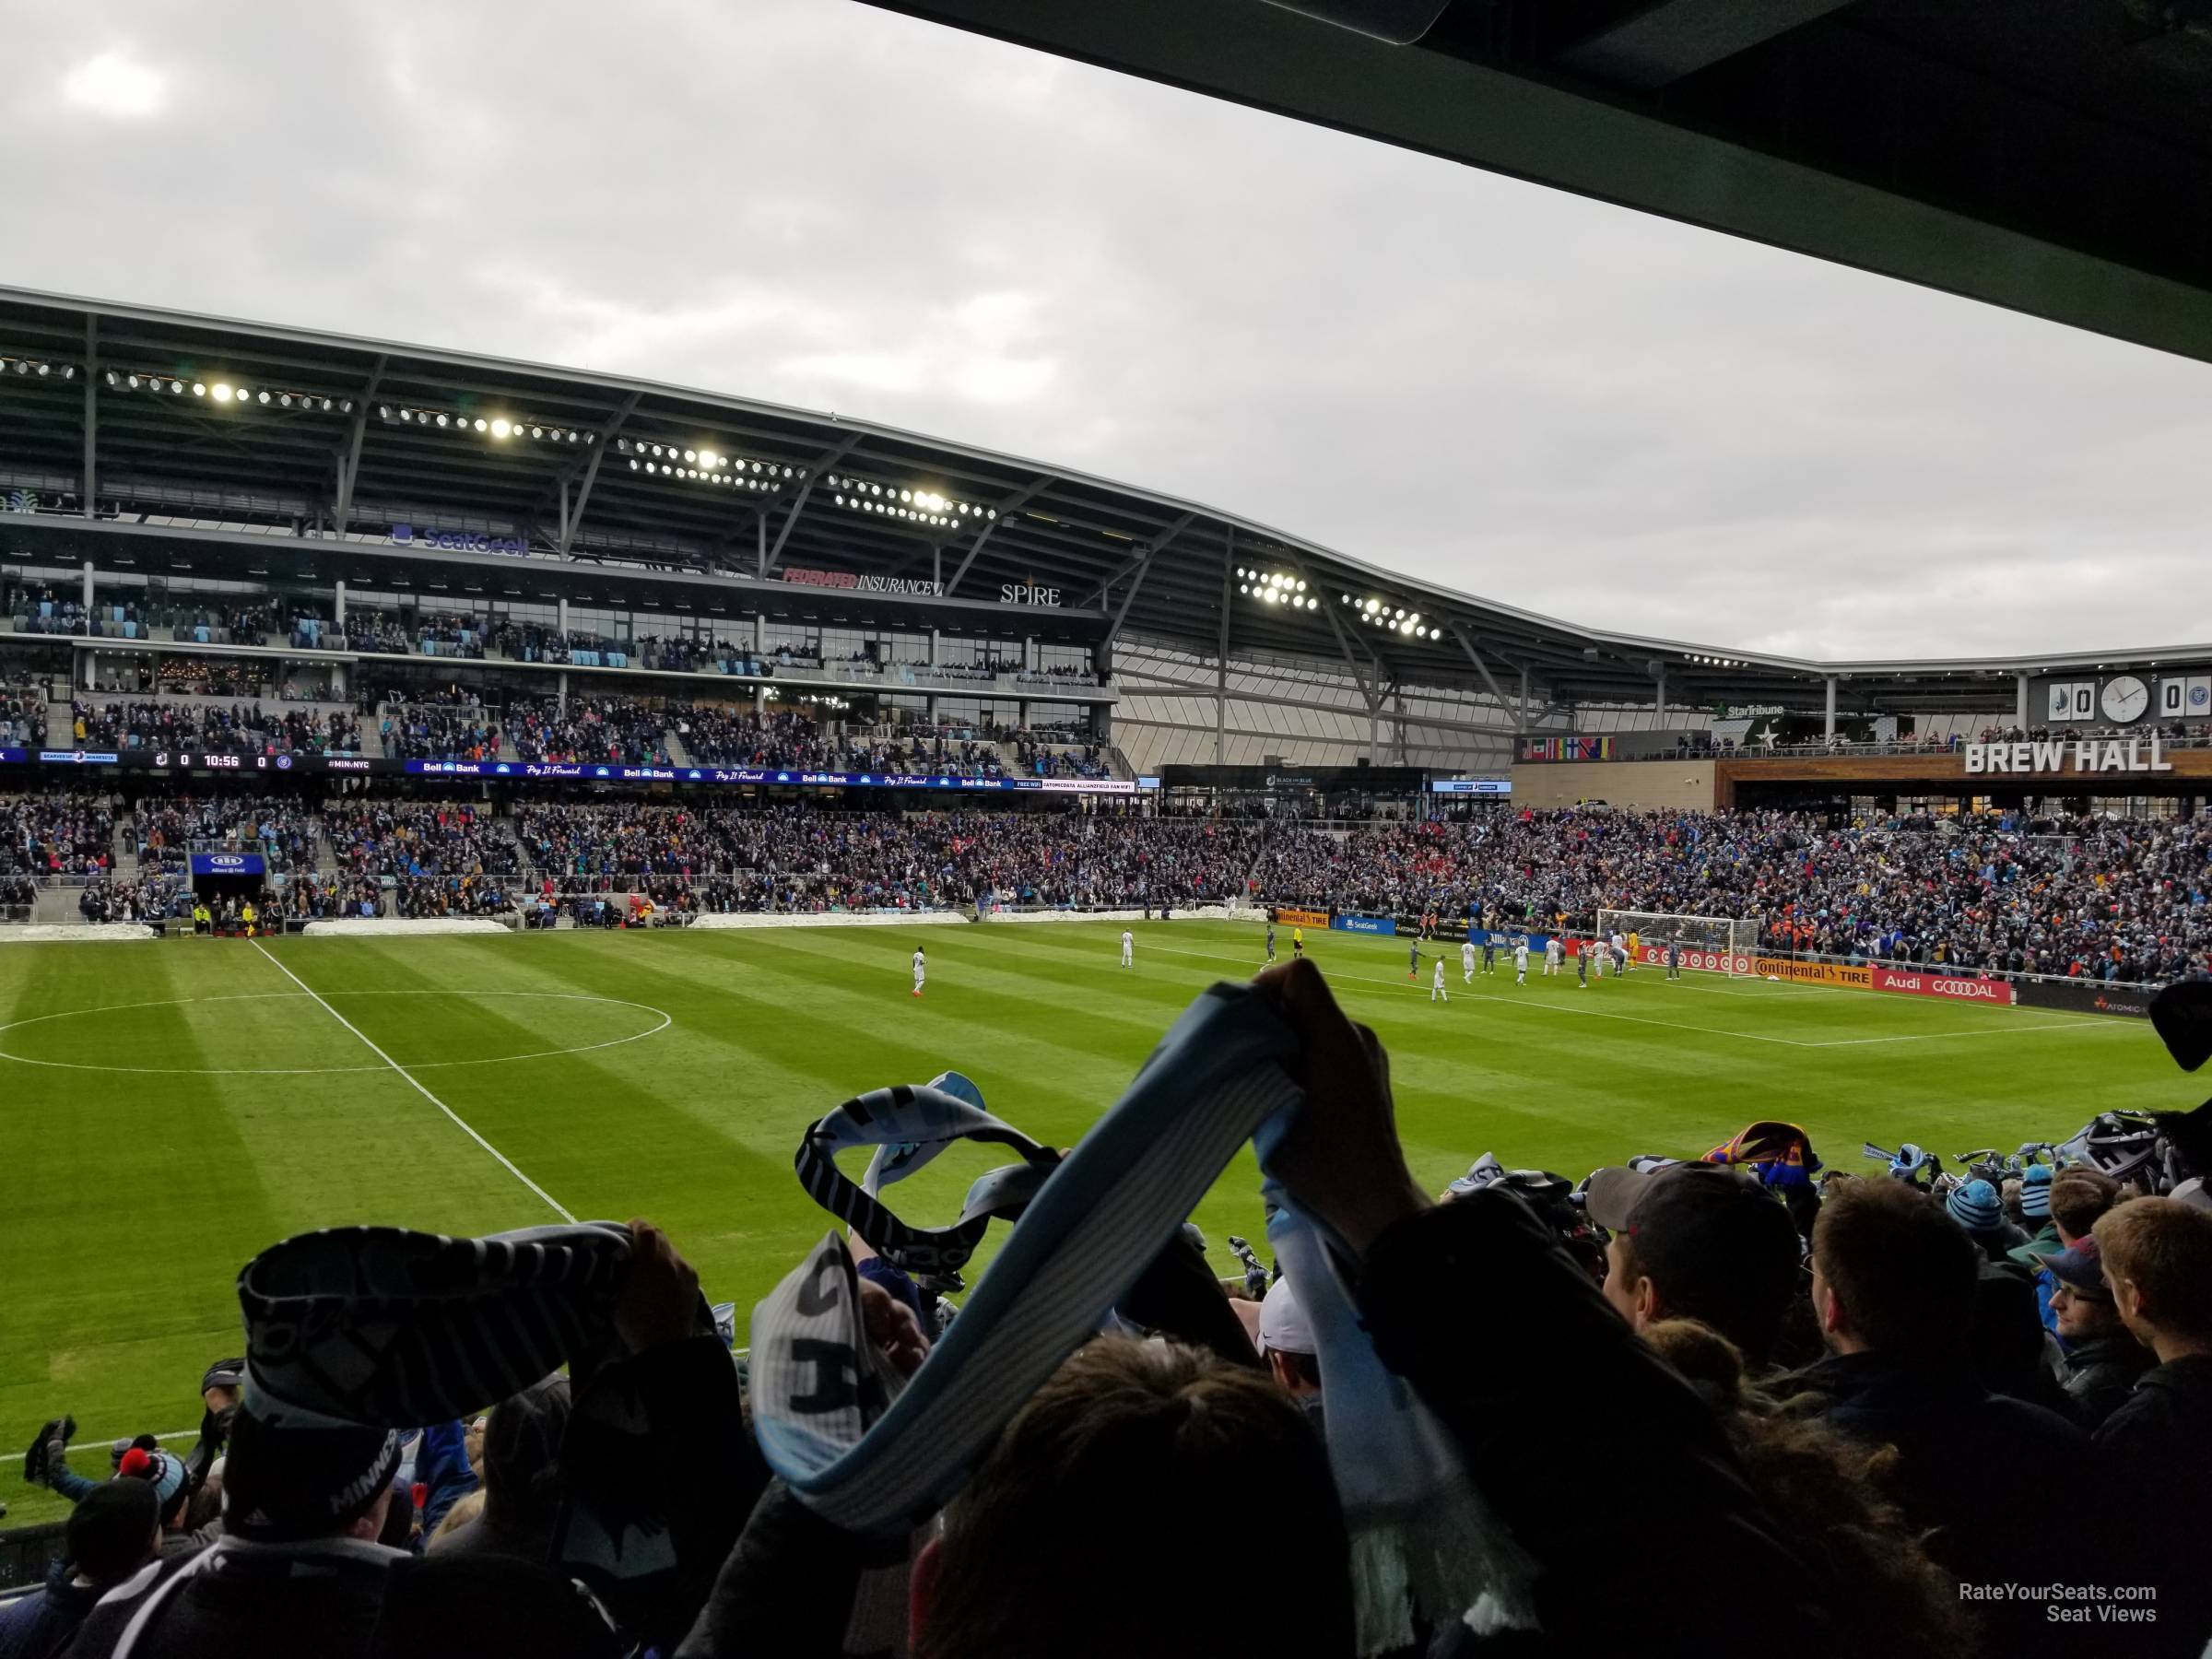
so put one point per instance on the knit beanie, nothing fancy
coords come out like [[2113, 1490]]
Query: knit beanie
[[1974, 1205], [160, 1471], [285, 1481], [2035, 1192]]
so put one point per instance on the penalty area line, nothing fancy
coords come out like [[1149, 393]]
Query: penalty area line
[[459, 1122]]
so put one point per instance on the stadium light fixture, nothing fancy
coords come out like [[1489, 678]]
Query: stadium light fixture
[[222, 391], [499, 429]]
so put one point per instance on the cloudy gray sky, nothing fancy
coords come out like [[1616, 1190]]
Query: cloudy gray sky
[[1563, 406]]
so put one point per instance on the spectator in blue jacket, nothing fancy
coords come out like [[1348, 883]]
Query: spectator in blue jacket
[[112, 1535]]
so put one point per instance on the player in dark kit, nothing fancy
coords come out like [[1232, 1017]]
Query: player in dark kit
[[1271, 941]]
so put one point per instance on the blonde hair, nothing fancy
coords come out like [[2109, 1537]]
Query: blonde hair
[[465, 1509]]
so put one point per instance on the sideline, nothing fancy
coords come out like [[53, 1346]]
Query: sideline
[[460, 1122]]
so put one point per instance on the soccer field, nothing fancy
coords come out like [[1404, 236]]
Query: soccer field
[[167, 1110]]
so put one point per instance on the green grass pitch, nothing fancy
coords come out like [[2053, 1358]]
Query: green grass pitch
[[167, 1110]]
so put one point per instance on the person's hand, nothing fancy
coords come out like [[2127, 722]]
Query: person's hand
[[1341, 1159], [892, 1328], [659, 1299]]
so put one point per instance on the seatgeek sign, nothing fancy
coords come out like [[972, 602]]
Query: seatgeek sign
[[457, 541], [2056, 757]]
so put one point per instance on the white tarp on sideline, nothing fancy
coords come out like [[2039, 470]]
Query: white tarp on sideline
[[366, 926], [48, 933], [832, 919]]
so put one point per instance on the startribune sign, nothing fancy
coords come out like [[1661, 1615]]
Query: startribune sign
[[2089, 754]]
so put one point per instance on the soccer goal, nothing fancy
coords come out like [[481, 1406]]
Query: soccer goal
[[1715, 944]]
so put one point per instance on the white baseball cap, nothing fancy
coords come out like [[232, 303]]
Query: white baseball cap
[[1283, 1326]]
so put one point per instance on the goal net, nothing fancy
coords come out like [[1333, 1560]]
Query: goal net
[[1714, 944]]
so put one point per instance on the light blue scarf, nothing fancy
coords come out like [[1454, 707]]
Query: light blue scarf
[[871, 1455]]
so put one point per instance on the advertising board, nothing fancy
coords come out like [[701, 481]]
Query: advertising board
[[1953, 987]]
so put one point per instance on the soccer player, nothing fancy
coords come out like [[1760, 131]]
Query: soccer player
[[1466, 963], [1490, 952], [918, 967], [1520, 960], [1635, 945], [1551, 955], [1128, 949], [1270, 940], [1621, 950], [1413, 964], [1674, 959], [1298, 942], [1595, 946], [1436, 986], [1582, 968]]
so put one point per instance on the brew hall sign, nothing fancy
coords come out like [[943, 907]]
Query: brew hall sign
[[2077, 756]]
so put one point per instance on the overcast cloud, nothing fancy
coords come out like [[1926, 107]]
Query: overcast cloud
[[1561, 405]]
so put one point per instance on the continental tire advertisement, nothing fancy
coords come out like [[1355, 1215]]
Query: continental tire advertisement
[[1813, 973], [2086, 996], [1302, 918]]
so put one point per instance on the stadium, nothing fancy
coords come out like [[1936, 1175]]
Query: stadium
[[457, 795]]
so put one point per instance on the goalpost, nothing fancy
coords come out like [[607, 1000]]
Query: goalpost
[[1714, 944]]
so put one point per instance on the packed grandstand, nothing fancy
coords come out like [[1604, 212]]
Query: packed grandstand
[[551, 654], [2002, 893]]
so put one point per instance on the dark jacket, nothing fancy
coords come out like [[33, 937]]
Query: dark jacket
[[1580, 1439], [36, 1626], [2157, 1446], [2099, 1375], [250, 1598], [1998, 1243], [1975, 1464]]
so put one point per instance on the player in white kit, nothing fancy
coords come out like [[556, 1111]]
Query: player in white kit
[[1520, 960], [1436, 985], [918, 967], [1128, 949], [1551, 955], [1466, 962]]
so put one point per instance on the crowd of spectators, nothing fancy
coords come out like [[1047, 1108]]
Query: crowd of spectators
[[22, 711], [280, 829], [40, 611], [241, 729], [367, 628], [589, 731], [59, 832], [1900, 1418], [459, 729], [2122, 900], [799, 858], [454, 634], [1080, 760], [413, 840], [148, 899]]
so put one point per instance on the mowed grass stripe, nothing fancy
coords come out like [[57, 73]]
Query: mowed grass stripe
[[549, 1114], [696, 1126], [124, 1194]]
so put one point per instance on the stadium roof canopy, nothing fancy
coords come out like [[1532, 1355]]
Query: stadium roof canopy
[[329, 442], [2049, 156]]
